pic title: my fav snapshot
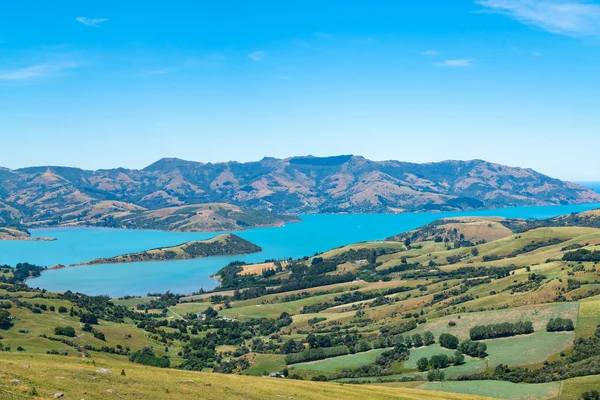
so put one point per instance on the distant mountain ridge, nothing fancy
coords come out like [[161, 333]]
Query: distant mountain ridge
[[339, 184]]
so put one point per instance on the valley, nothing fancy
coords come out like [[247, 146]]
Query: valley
[[466, 306]]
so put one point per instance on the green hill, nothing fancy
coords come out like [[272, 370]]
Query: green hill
[[518, 310], [221, 245]]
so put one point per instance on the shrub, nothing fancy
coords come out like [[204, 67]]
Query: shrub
[[64, 331]]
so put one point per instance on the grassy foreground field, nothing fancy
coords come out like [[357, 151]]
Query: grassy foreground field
[[79, 379]]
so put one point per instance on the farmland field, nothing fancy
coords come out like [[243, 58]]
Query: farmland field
[[498, 389], [589, 317], [573, 388], [527, 349], [337, 363], [539, 315]]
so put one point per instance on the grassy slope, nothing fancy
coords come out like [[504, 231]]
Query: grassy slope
[[78, 379], [227, 244], [337, 363]]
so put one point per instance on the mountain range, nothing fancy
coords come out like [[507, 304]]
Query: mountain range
[[51, 196]]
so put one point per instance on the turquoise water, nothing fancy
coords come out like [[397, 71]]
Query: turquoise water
[[316, 233]]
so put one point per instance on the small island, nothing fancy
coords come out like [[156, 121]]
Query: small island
[[20, 234], [222, 245]]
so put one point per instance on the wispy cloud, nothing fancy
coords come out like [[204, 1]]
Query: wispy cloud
[[566, 17], [34, 72], [430, 53], [258, 55], [91, 21], [455, 63], [536, 54]]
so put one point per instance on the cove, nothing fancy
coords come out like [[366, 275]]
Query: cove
[[315, 233]]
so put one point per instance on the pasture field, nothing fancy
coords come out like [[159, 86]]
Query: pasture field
[[527, 349], [453, 372], [333, 364], [263, 364], [417, 353], [539, 315], [589, 318], [572, 389], [497, 389]]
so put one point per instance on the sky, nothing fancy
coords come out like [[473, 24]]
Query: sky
[[102, 84]]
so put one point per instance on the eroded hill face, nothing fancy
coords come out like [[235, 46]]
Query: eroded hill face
[[291, 186]]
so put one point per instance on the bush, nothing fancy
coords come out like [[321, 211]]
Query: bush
[[62, 309], [99, 335], [591, 395], [64, 331]]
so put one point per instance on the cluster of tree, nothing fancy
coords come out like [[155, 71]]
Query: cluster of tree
[[146, 356], [590, 395], [529, 247], [582, 255], [97, 334], [560, 325], [440, 361], [381, 367], [232, 366], [21, 272], [504, 329], [473, 349], [448, 341], [164, 300], [5, 319], [68, 331]]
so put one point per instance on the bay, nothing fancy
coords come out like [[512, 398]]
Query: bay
[[315, 233]]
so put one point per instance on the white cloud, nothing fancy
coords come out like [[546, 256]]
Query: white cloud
[[566, 17], [35, 71], [91, 21], [430, 53], [455, 63], [258, 55], [536, 54]]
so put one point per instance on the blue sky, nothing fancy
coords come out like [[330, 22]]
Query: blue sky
[[100, 84]]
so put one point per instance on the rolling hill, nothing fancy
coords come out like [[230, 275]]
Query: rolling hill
[[470, 306], [221, 245]]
